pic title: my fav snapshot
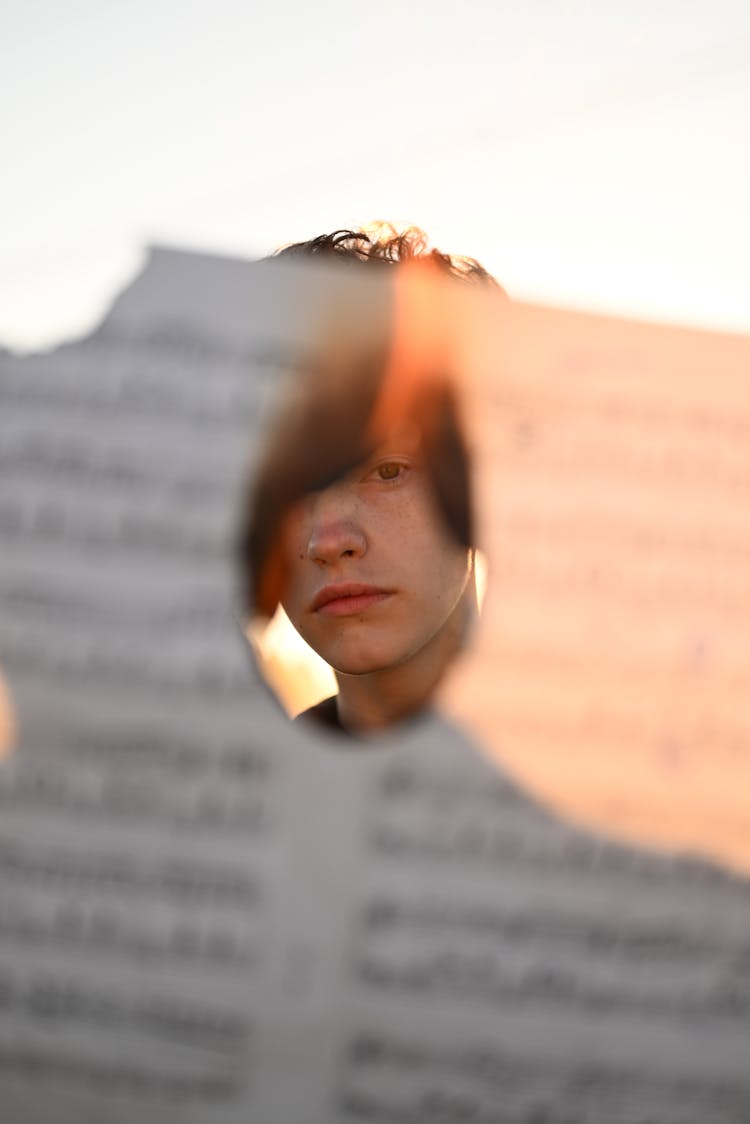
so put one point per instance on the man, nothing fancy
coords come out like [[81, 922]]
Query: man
[[360, 523]]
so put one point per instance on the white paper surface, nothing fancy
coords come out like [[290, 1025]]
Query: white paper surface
[[207, 914]]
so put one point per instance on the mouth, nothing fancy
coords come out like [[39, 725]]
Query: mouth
[[347, 599]]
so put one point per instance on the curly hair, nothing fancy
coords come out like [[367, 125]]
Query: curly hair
[[382, 243]]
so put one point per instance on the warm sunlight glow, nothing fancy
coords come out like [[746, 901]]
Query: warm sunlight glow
[[7, 721], [611, 476], [297, 674], [480, 577]]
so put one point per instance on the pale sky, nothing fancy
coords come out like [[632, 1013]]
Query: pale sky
[[590, 154]]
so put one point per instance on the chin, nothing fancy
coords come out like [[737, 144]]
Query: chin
[[358, 667], [361, 663]]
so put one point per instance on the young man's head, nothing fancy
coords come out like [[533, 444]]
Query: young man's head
[[360, 523], [382, 245], [373, 575]]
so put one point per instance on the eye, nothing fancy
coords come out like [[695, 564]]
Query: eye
[[391, 470], [388, 472]]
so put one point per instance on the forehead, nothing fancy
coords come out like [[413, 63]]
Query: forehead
[[403, 438]]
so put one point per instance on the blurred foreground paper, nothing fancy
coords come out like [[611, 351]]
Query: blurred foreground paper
[[208, 914], [612, 673]]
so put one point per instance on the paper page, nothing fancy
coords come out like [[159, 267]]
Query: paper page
[[611, 668], [207, 913]]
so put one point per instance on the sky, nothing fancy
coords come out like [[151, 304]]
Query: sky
[[592, 155]]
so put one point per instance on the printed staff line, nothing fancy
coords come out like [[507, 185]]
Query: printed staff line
[[540, 1099], [35, 1064], [183, 343], [233, 417], [179, 882], [55, 1001], [110, 476], [251, 822], [227, 760], [159, 539], [217, 949], [473, 978], [500, 1069], [126, 672], [599, 936], [400, 784], [54, 611], [575, 855]]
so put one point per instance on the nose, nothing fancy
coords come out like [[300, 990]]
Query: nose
[[335, 530]]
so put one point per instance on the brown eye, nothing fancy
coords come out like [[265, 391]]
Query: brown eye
[[391, 470], [388, 472]]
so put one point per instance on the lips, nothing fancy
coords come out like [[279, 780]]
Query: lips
[[347, 599]]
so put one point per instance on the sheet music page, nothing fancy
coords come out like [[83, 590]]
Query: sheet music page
[[210, 914], [611, 670]]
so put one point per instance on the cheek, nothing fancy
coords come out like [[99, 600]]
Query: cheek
[[440, 564], [447, 564], [293, 532], [452, 577], [293, 540]]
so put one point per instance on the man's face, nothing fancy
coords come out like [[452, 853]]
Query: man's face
[[373, 577]]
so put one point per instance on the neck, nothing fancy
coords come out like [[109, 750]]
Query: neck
[[380, 698]]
